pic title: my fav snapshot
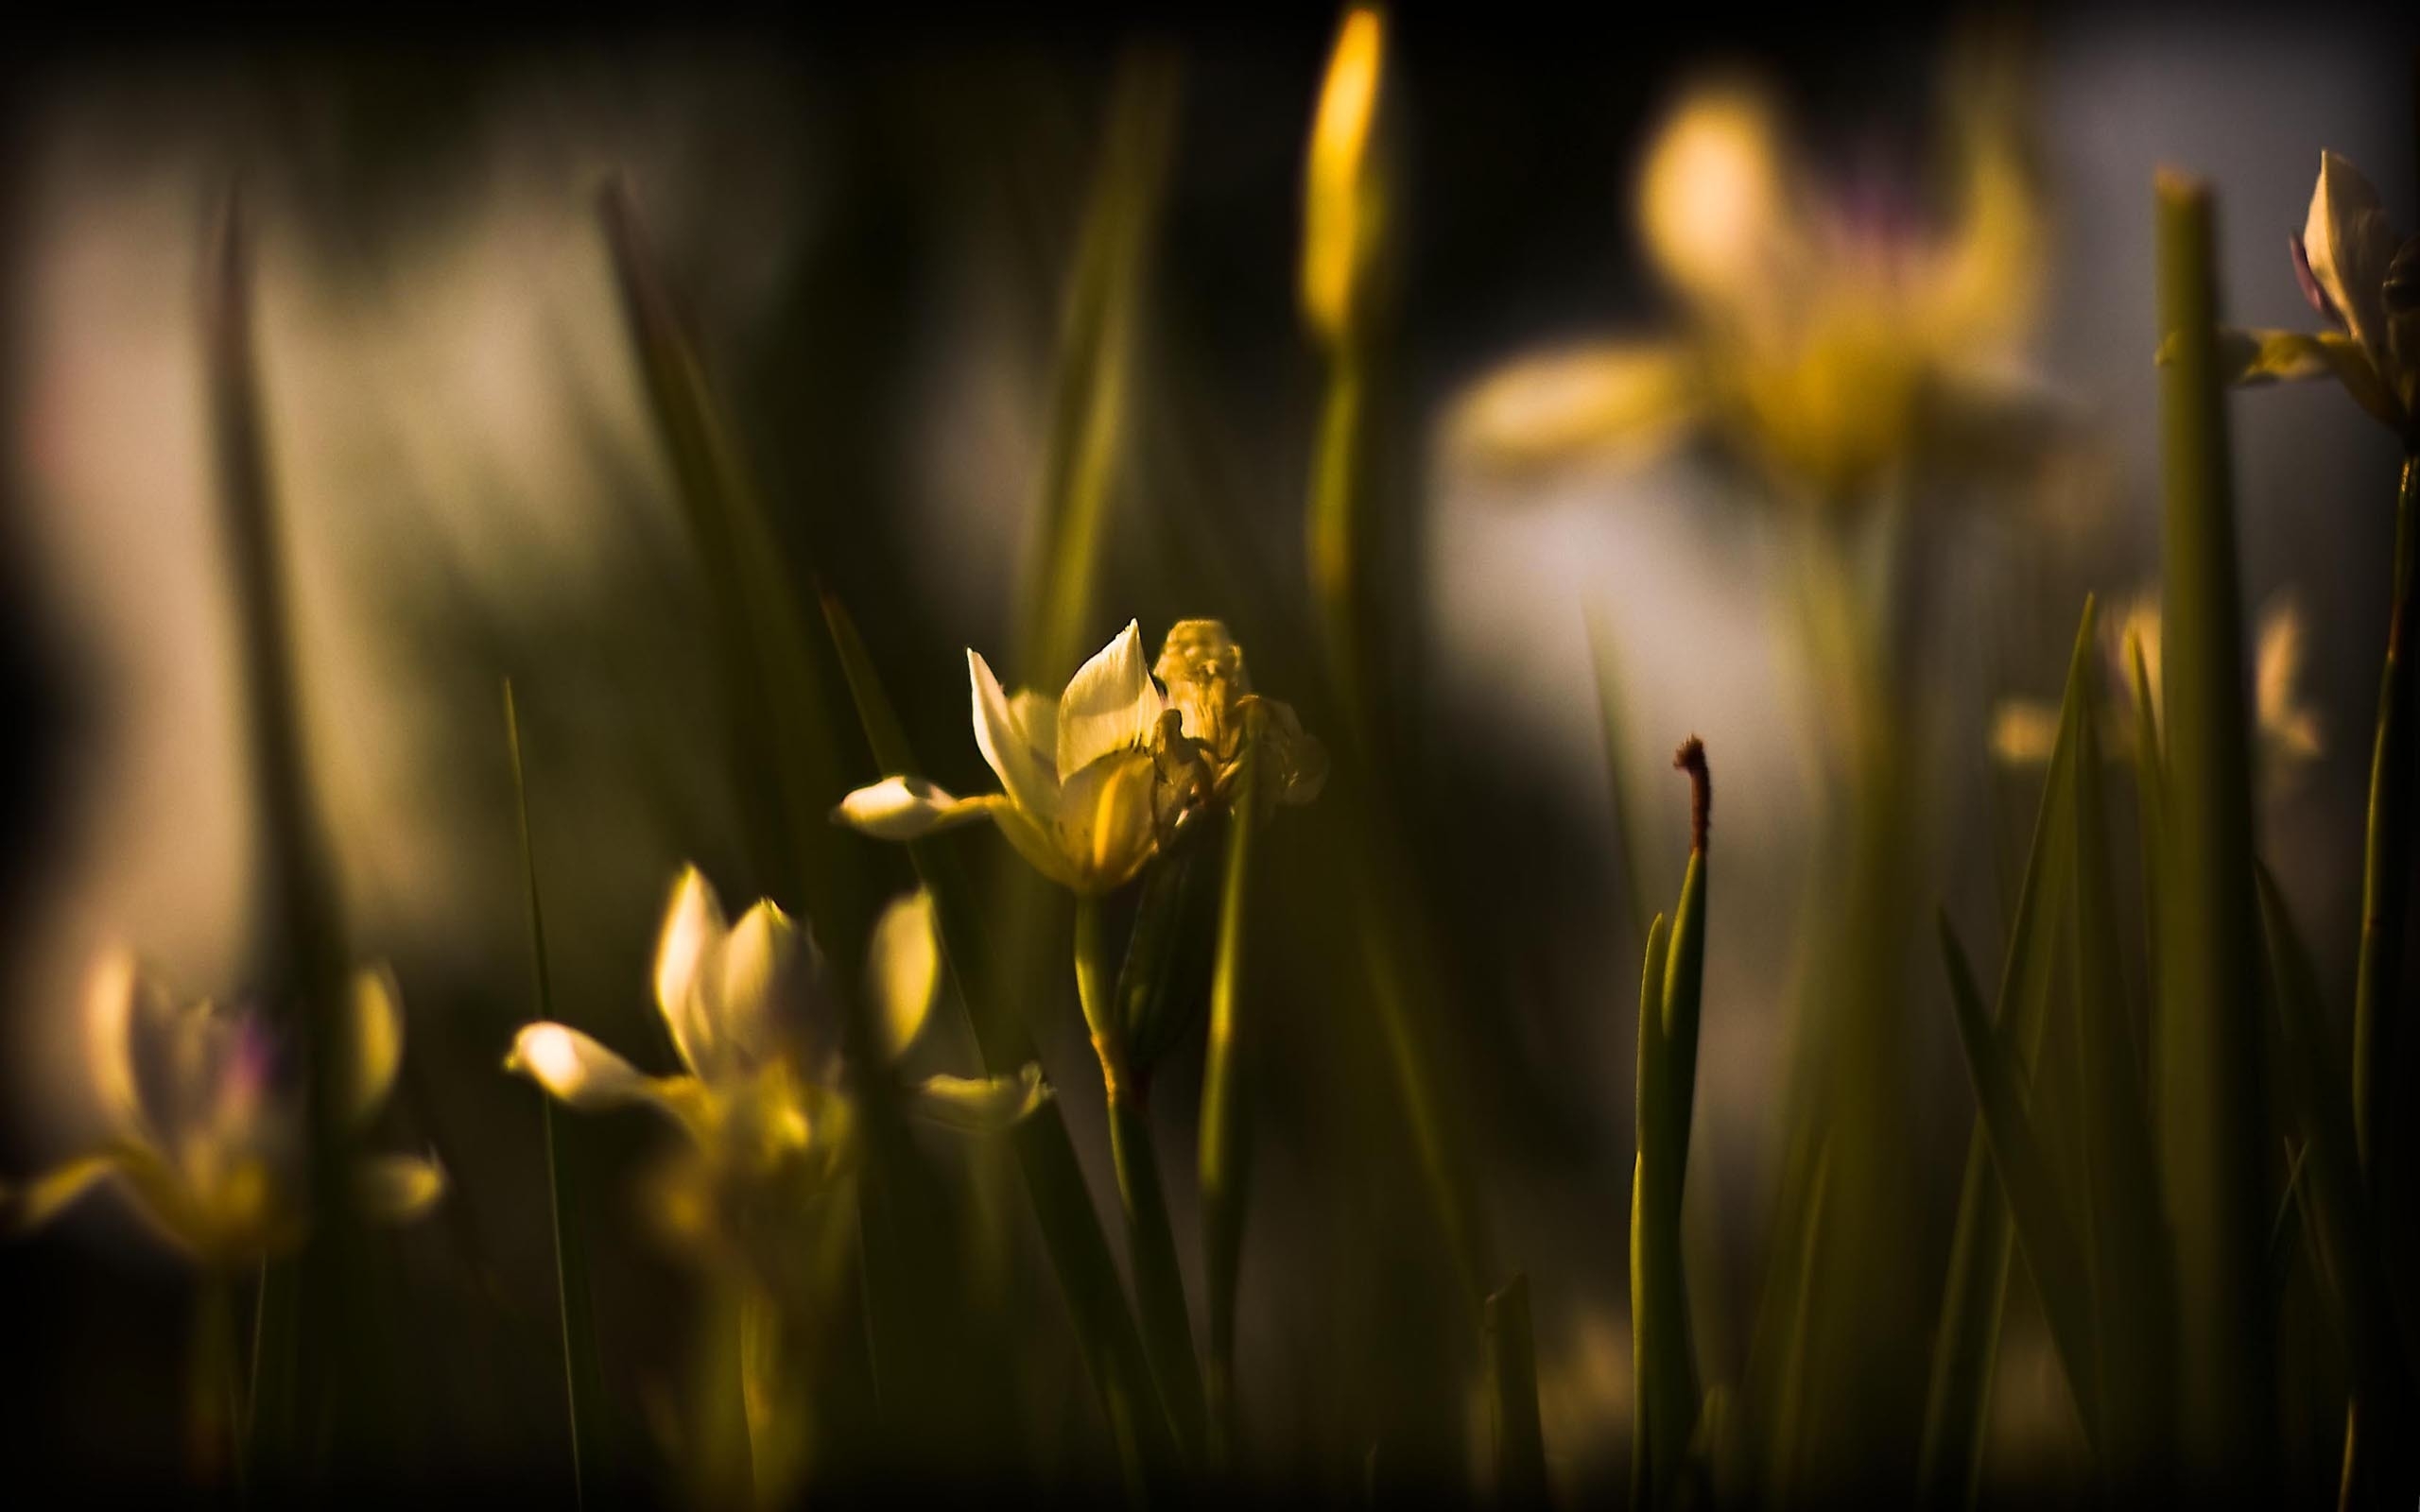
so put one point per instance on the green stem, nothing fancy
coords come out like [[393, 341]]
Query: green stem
[[213, 1402], [1223, 1153], [1159, 1287], [2387, 853]]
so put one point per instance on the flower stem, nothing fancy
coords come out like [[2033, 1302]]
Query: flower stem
[[213, 1402], [2387, 853], [1224, 1153], [1159, 1286]]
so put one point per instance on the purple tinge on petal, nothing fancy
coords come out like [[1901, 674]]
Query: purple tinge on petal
[[248, 1075], [2309, 282]]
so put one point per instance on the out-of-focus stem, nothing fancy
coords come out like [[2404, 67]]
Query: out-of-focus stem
[[1159, 1286], [2386, 871], [214, 1403], [1224, 1151]]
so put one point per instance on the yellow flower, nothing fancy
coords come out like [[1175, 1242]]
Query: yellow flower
[[206, 1120], [1203, 667], [1829, 341], [2024, 731], [2363, 283], [759, 1089], [1086, 798]]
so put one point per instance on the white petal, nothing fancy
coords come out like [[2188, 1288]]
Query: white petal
[[1110, 704], [1031, 782], [576, 1071], [2348, 245], [981, 1104], [109, 1039], [905, 807], [904, 971], [755, 959], [377, 1041], [396, 1188], [1107, 825], [692, 939]]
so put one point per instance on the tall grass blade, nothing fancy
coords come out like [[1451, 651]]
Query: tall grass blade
[[2206, 1074], [567, 1197], [1225, 1141], [308, 1313], [2043, 1233]]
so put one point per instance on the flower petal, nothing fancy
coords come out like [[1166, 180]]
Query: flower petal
[[2023, 732], [2347, 243], [1714, 199], [1030, 780], [905, 808], [110, 1001], [1625, 403], [982, 1105], [756, 960], [1038, 844], [396, 1188], [24, 1208], [685, 954], [1110, 704], [1107, 825], [2251, 358], [904, 971], [377, 1041], [576, 1071]]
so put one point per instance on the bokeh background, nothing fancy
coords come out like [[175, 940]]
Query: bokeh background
[[871, 222]]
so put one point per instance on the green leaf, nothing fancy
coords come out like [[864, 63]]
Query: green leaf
[[2043, 1235], [1225, 1145]]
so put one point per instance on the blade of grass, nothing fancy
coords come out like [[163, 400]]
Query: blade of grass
[[2208, 1076], [1071, 1231], [2346, 1223], [2386, 864], [1630, 812], [2126, 1245], [1513, 1375], [1651, 1306], [2043, 1235], [1966, 1347], [308, 1317], [566, 1197]]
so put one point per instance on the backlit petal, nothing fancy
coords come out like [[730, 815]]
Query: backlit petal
[[576, 1071], [1624, 404], [396, 1188], [27, 1208], [1714, 199], [1029, 781], [109, 1030], [904, 971], [981, 1104], [692, 941], [1106, 822], [1110, 704], [905, 808], [377, 1041], [756, 961], [2348, 245]]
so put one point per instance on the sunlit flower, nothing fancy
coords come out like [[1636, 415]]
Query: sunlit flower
[[2367, 289], [759, 1092], [1827, 334], [2025, 731], [1085, 795], [1202, 668], [206, 1120]]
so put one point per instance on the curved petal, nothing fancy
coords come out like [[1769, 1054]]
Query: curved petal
[[2348, 245], [396, 1188], [1107, 825], [1627, 404], [1038, 844], [756, 959], [110, 999], [25, 1209], [904, 971], [1029, 781], [576, 1071], [693, 936], [905, 808], [377, 1041], [1110, 704], [981, 1105], [2250, 359], [1713, 199]]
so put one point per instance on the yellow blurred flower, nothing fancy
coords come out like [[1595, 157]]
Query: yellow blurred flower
[[1101, 779], [1343, 200], [2024, 731], [2363, 283], [1828, 340], [759, 1091], [206, 1120]]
